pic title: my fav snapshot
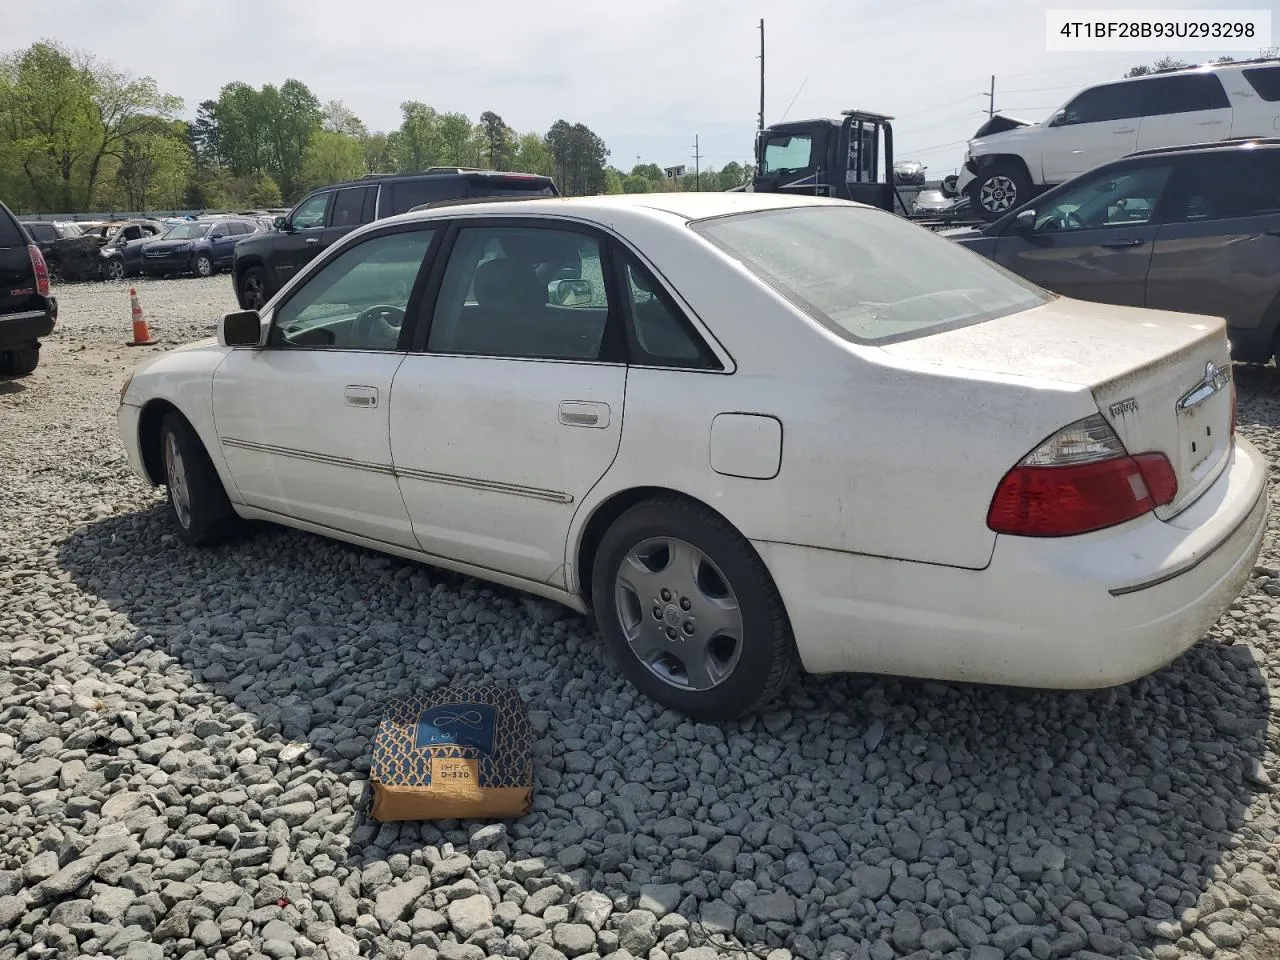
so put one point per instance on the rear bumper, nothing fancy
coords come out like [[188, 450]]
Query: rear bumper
[[21, 329], [1077, 613]]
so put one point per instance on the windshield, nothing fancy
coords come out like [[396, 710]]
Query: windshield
[[186, 231], [868, 274], [786, 154]]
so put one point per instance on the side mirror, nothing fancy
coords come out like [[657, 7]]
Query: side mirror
[[1058, 119], [1024, 222], [243, 328], [570, 293], [216, 236], [281, 223]]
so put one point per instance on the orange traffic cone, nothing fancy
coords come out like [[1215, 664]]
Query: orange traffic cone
[[141, 335]]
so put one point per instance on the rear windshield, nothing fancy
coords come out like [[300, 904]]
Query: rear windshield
[[10, 232], [867, 274]]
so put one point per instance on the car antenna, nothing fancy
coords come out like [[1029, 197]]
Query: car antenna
[[793, 100]]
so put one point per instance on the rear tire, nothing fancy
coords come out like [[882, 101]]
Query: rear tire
[[203, 266], [20, 361], [999, 189], [198, 503], [672, 584]]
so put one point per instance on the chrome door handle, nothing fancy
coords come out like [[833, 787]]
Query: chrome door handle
[[313, 239], [1121, 244], [1125, 130], [584, 413], [1212, 123], [357, 396]]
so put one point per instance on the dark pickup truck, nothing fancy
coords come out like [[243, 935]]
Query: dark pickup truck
[[27, 311]]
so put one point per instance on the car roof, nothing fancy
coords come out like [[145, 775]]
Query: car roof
[[1211, 146], [684, 206]]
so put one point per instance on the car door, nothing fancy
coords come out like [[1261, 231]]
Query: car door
[[1217, 249], [222, 242], [300, 239], [1098, 125], [1183, 108], [1092, 239], [346, 213], [509, 407], [303, 420]]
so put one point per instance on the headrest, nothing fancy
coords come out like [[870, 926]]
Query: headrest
[[507, 284]]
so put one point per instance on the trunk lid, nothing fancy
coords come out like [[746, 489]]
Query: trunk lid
[[1162, 380]]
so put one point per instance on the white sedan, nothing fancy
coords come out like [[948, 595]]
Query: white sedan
[[752, 433]]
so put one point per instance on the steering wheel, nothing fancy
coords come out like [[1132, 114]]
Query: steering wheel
[[377, 324], [1073, 220]]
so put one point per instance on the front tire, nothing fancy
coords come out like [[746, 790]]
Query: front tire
[[114, 269], [198, 504], [689, 612], [999, 189], [253, 289]]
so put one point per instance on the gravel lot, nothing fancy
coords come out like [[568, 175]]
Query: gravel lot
[[183, 737]]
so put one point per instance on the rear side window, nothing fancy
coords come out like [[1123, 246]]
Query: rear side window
[[1185, 93], [407, 194], [906, 282], [1115, 101], [348, 206], [10, 232], [1265, 82], [42, 232], [490, 187]]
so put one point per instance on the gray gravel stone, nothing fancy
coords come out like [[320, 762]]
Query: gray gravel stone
[[196, 725]]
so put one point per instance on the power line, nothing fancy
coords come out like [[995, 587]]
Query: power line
[[939, 146], [1067, 86], [1078, 66], [940, 123], [949, 103]]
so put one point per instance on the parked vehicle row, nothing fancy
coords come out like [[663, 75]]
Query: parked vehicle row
[[1010, 161]]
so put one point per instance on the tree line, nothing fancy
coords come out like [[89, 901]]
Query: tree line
[[79, 134]]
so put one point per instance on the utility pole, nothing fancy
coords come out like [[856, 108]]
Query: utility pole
[[760, 121], [697, 170], [991, 98]]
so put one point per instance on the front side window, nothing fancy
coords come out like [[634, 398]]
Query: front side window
[[787, 154], [1184, 93], [310, 214], [868, 274], [514, 291], [187, 231], [1115, 101], [1125, 197], [357, 300]]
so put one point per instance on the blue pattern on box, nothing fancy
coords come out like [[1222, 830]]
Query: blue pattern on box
[[456, 724]]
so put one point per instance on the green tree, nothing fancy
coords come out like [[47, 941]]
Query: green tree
[[612, 180], [1164, 63], [579, 156], [532, 155], [455, 136], [635, 184], [731, 175], [377, 153], [154, 167], [416, 145], [65, 118], [337, 117], [498, 137], [650, 171], [331, 157]]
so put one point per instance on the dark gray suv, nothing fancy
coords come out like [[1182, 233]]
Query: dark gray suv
[[1194, 229]]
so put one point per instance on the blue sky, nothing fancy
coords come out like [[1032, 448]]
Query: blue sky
[[647, 78]]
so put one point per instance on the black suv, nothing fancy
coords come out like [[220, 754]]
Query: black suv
[[27, 311], [264, 263]]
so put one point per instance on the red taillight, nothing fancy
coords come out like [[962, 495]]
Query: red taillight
[[1077, 481], [41, 269]]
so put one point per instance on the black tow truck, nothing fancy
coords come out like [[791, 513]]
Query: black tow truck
[[850, 159]]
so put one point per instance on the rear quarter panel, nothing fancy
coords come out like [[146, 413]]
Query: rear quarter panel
[[880, 455]]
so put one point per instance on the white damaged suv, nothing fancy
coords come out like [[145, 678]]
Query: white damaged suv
[[1004, 169]]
